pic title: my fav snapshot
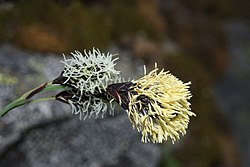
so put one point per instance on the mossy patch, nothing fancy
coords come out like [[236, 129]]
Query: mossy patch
[[7, 79]]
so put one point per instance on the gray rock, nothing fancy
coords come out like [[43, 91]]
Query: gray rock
[[46, 134], [232, 91]]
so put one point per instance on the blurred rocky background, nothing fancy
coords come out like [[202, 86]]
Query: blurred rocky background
[[203, 41]]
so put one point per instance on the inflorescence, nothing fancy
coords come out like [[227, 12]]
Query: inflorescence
[[157, 104], [88, 75]]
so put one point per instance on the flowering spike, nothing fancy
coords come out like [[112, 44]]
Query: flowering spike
[[88, 76], [88, 72], [157, 105]]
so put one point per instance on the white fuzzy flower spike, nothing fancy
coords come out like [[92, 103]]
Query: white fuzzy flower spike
[[90, 72], [88, 75]]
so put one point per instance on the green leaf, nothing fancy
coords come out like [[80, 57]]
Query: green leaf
[[14, 104]]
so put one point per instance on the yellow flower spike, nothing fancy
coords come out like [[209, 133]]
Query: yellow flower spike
[[158, 106]]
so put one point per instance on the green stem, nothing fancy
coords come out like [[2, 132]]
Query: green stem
[[26, 98], [44, 99]]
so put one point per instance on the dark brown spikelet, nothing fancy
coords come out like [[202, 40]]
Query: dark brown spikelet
[[119, 92], [37, 90]]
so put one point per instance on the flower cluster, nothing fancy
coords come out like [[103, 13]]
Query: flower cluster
[[88, 76], [157, 104], [90, 72]]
